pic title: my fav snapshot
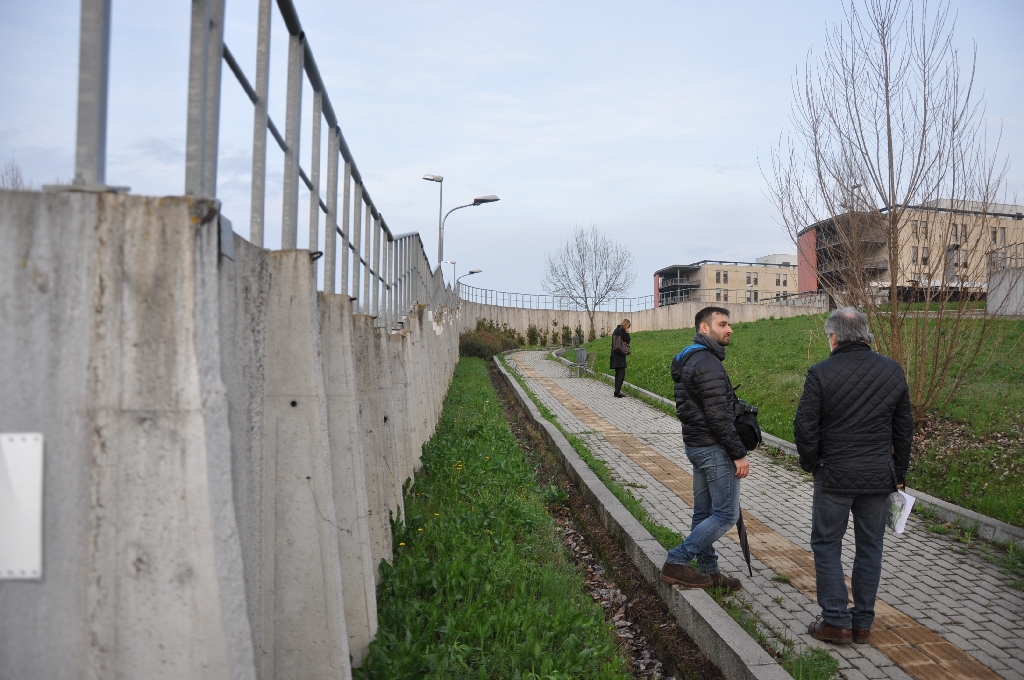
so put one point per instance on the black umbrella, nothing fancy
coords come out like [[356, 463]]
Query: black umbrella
[[742, 531]]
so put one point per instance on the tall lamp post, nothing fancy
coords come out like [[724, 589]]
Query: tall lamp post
[[470, 273], [440, 207], [452, 263], [491, 198]]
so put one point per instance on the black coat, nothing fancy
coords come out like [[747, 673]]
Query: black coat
[[618, 360], [713, 419], [854, 424]]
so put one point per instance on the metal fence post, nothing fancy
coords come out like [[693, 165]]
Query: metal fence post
[[377, 230], [205, 53], [93, 77], [367, 305], [345, 214], [259, 126], [331, 222], [314, 175], [292, 125], [357, 223]]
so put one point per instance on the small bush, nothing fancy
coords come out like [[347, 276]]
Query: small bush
[[579, 334], [532, 335], [566, 336], [489, 339]]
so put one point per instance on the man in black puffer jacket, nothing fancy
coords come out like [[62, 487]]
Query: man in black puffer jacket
[[854, 427], [705, 403]]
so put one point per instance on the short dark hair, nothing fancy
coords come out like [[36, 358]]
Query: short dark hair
[[704, 315]]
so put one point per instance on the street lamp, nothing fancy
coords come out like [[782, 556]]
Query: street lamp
[[470, 273], [452, 263], [440, 232], [440, 205]]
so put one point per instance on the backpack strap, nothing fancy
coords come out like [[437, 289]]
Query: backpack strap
[[687, 351]]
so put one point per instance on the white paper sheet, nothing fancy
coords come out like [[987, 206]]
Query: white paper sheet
[[900, 505]]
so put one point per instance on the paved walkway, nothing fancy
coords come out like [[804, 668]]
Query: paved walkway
[[943, 612]]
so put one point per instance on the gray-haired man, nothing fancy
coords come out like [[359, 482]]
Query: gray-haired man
[[854, 427]]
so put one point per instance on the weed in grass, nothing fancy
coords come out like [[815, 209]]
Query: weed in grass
[[811, 664], [1007, 556], [555, 496], [777, 600], [480, 586], [781, 578]]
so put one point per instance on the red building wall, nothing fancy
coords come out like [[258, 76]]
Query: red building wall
[[807, 260]]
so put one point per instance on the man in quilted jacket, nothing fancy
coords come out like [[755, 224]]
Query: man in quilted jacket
[[854, 427], [705, 403]]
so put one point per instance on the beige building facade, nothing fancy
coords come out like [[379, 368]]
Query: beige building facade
[[938, 245], [717, 281]]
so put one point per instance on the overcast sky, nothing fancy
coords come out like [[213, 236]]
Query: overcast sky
[[649, 119]]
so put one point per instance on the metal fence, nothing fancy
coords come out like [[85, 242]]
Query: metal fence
[[1007, 257], [385, 273], [532, 301], [745, 295]]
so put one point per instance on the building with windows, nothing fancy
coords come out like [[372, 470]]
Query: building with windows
[[939, 244], [711, 281]]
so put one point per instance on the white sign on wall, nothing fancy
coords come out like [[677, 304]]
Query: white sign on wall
[[21, 505]]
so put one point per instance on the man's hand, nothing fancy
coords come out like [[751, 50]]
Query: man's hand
[[742, 467]]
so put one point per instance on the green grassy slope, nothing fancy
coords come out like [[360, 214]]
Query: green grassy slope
[[481, 586]]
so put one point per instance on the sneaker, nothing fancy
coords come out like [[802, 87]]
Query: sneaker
[[617, 395], [720, 580], [861, 636], [819, 630], [684, 575]]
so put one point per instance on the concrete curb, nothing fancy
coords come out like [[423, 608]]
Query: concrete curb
[[728, 646], [988, 528]]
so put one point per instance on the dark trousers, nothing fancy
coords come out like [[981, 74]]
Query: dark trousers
[[830, 515], [620, 375]]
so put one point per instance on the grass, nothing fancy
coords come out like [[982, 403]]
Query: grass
[[480, 586], [811, 664]]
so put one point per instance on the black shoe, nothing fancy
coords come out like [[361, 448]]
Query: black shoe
[[617, 395], [684, 575]]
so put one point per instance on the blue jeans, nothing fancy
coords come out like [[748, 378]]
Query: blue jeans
[[716, 507], [830, 515]]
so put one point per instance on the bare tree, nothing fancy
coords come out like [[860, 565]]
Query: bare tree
[[588, 270], [11, 177], [888, 164]]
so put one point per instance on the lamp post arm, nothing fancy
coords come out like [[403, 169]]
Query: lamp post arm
[[453, 210]]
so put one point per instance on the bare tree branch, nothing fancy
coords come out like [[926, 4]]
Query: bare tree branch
[[888, 164], [588, 270]]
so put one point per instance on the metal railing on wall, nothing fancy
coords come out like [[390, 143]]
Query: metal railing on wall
[[554, 302], [1007, 257], [386, 274]]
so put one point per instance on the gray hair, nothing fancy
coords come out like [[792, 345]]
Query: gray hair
[[848, 324]]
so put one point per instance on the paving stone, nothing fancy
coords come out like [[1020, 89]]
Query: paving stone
[[957, 595]]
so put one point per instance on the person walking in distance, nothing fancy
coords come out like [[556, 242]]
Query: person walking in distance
[[705, 403], [620, 350], [854, 427]]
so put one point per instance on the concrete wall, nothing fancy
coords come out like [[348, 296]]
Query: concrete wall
[[224, 444], [670, 317], [1006, 292]]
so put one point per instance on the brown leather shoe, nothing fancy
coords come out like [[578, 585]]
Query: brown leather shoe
[[720, 580], [684, 575], [819, 630], [861, 636]]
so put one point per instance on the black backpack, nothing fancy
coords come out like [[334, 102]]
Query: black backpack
[[747, 426]]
